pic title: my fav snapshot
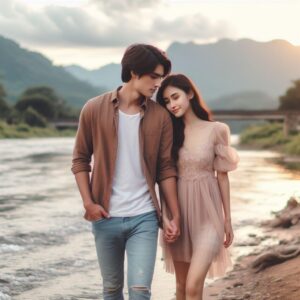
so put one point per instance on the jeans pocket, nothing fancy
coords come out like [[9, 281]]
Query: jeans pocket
[[98, 221]]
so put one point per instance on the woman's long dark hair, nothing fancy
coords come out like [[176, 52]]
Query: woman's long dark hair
[[198, 106]]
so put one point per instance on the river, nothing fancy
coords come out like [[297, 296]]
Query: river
[[47, 248]]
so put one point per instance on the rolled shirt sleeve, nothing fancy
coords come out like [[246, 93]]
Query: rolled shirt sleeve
[[166, 166], [83, 148]]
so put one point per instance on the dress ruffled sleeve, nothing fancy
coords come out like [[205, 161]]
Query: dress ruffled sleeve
[[226, 157]]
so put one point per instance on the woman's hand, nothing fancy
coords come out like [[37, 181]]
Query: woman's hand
[[228, 233], [170, 230]]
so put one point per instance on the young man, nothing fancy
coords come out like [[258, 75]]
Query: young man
[[130, 138]]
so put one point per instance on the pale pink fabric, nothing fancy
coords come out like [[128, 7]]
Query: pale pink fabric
[[202, 220]]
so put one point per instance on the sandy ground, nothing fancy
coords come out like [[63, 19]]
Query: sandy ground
[[280, 281]]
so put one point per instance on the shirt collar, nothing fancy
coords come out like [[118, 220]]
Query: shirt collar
[[115, 100]]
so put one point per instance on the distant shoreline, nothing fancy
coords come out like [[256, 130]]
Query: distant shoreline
[[270, 136], [24, 131], [265, 136]]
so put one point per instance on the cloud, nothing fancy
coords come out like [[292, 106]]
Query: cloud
[[7, 8], [124, 6], [190, 27], [112, 24]]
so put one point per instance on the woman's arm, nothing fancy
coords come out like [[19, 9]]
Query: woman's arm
[[224, 186]]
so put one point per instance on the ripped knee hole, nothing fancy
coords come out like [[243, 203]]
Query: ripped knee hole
[[139, 288]]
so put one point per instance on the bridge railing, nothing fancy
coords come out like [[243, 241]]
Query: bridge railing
[[289, 117]]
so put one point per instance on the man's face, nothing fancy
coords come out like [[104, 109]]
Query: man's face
[[148, 84]]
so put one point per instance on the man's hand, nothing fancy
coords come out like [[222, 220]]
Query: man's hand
[[175, 223], [171, 230], [95, 212]]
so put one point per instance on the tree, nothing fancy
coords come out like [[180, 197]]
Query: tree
[[14, 117], [4, 107], [33, 118], [291, 99], [2, 92], [46, 91], [39, 103], [59, 105]]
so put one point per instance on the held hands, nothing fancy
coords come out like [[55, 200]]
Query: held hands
[[228, 233], [171, 229], [95, 212]]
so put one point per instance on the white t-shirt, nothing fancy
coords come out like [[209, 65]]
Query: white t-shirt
[[130, 193]]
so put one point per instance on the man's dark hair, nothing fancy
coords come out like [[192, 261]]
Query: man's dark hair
[[143, 59]]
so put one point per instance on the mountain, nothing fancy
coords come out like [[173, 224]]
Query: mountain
[[243, 74], [244, 100], [108, 76], [20, 69], [229, 67]]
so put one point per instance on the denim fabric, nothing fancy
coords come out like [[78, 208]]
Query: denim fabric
[[137, 237]]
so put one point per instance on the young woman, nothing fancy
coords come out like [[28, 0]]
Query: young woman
[[203, 155]]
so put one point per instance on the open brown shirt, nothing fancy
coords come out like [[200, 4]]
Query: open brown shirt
[[97, 137]]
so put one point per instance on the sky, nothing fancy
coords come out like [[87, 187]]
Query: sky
[[92, 33]]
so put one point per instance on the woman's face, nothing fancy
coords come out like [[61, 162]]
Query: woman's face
[[177, 101]]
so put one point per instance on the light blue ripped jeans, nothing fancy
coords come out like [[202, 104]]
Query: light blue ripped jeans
[[137, 236]]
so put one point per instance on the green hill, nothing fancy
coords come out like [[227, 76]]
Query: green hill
[[20, 69]]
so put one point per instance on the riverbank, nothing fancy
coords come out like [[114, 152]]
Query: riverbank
[[25, 131], [47, 249], [270, 136], [271, 272]]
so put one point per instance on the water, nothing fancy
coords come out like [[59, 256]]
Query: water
[[46, 247]]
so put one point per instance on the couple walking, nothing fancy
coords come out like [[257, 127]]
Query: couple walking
[[130, 143]]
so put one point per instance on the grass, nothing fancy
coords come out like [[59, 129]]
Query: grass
[[271, 136], [293, 146], [264, 136], [25, 131]]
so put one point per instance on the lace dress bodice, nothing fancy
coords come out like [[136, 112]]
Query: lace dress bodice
[[193, 166], [212, 153]]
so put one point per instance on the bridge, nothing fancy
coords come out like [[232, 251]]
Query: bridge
[[289, 117], [61, 124]]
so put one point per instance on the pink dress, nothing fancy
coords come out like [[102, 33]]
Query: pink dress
[[202, 219]]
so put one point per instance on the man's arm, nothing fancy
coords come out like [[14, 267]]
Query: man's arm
[[169, 190], [171, 224], [81, 164], [167, 174]]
